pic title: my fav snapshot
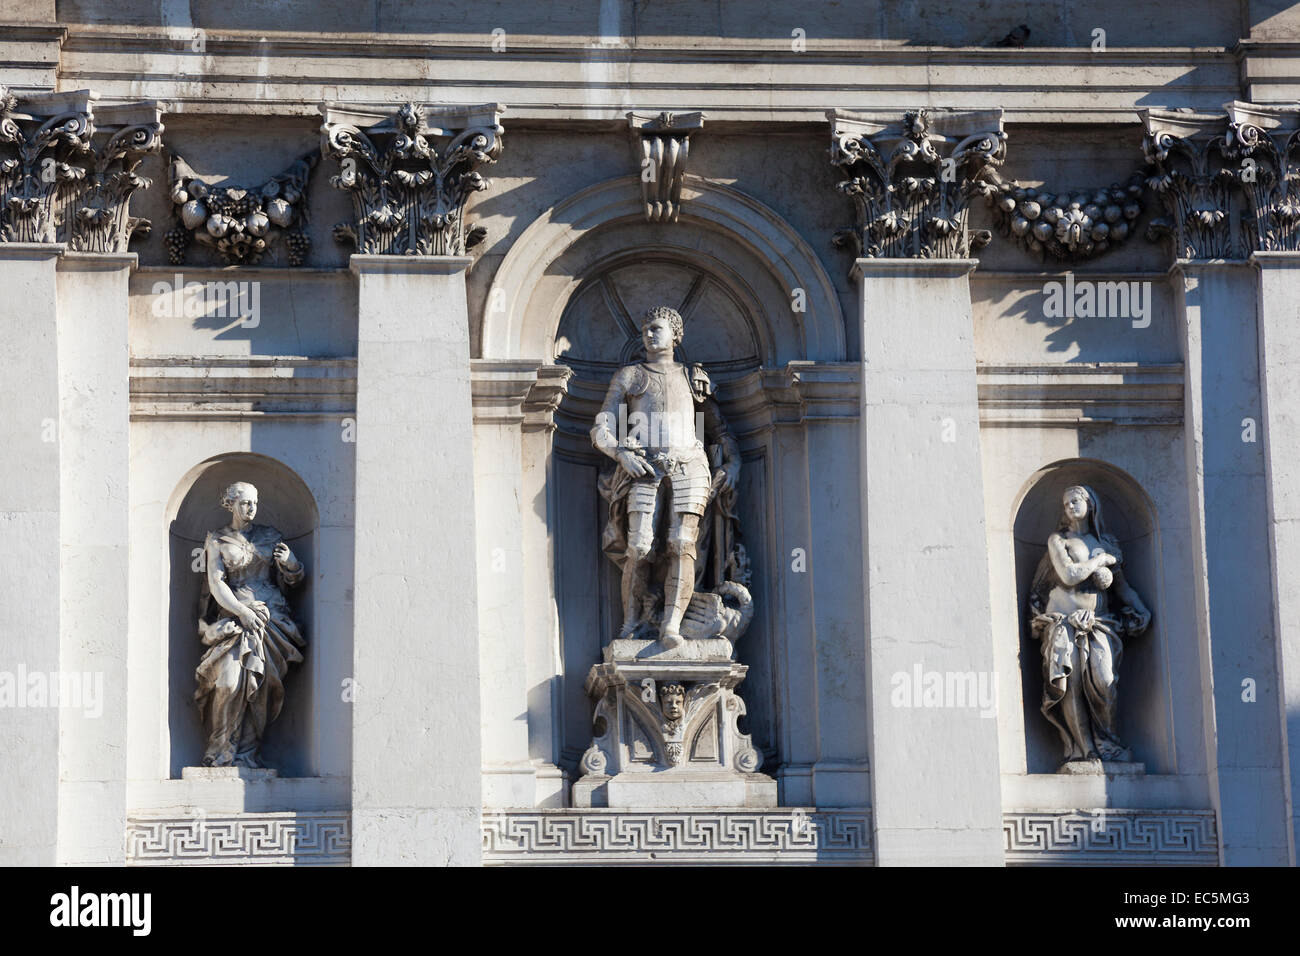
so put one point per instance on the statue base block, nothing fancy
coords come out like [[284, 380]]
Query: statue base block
[[252, 774], [666, 733], [673, 788], [637, 649], [1097, 767]]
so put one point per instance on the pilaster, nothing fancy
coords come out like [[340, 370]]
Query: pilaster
[[416, 769], [936, 796]]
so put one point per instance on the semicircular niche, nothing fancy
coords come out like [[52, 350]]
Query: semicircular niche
[[599, 331]]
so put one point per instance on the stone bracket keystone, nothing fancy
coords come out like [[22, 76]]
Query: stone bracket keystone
[[662, 143]]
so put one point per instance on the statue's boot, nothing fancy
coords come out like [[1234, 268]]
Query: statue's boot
[[678, 589], [634, 585]]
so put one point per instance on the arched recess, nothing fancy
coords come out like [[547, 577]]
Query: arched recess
[[1145, 699], [737, 233], [286, 503], [764, 319]]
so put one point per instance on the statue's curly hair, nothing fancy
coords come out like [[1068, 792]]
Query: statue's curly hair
[[229, 496], [674, 319], [672, 688]]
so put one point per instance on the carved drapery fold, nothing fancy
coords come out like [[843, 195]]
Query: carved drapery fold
[[911, 185], [410, 175], [240, 222], [68, 169], [662, 143]]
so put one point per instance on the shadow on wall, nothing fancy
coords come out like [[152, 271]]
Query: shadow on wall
[[1144, 693], [285, 503]]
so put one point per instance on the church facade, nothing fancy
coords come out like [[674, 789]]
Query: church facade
[[627, 432]]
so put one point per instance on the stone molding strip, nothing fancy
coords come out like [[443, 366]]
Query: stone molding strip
[[1105, 837], [796, 835], [1084, 393], [239, 388], [321, 838]]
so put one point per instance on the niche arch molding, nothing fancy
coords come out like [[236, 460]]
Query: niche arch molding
[[742, 236]]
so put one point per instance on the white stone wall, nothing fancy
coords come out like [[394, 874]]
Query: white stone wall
[[418, 429]]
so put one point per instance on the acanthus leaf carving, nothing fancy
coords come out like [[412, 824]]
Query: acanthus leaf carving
[[1268, 140], [911, 185], [63, 178], [241, 223], [410, 179], [1193, 158]]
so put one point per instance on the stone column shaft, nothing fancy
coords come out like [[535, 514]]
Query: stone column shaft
[[1229, 516], [94, 513], [416, 772], [1279, 372], [29, 553], [934, 773]]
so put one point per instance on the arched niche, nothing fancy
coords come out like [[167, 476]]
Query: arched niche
[[743, 242], [597, 333], [286, 503], [755, 298], [1145, 722]]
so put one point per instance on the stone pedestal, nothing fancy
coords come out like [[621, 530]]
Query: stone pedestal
[[416, 724], [250, 774], [666, 733], [936, 792], [1109, 768]]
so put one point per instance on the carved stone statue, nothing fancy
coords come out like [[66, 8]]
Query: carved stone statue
[[666, 719], [1081, 607], [247, 630], [669, 498]]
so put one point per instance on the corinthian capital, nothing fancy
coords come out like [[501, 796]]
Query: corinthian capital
[[1268, 171], [68, 168], [911, 181], [1195, 159], [410, 174]]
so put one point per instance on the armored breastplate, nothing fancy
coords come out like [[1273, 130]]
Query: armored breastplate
[[669, 406]]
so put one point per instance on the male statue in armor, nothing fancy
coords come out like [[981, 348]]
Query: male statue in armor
[[656, 420]]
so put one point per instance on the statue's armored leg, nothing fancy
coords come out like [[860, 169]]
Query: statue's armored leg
[[680, 584], [636, 568]]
